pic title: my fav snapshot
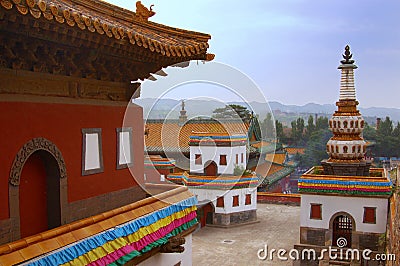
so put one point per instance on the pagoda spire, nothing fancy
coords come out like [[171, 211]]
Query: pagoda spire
[[347, 147], [347, 89], [183, 116]]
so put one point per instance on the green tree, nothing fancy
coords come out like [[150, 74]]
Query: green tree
[[310, 128], [297, 131], [316, 148], [385, 127], [232, 111], [268, 125], [387, 139], [322, 123], [396, 131], [279, 131], [369, 133]]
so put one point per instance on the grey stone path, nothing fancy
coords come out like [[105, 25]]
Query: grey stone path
[[278, 228]]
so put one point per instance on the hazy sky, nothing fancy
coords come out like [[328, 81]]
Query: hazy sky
[[291, 48]]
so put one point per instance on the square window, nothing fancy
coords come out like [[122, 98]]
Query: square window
[[235, 201], [222, 159], [124, 148], [162, 177], [369, 215], [316, 211], [220, 202], [248, 199], [92, 152], [197, 159]]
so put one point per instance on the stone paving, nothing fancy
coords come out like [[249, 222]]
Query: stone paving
[[279, 227]]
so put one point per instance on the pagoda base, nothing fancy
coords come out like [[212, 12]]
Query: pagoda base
[[346, 169]]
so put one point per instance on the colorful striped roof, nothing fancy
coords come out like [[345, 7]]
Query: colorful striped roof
[[214, 182], [112, 238], [345, 185], [159, 163], [209, 138]]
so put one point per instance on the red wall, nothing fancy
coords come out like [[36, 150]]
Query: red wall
[[153, 175], [278, 198], [62, 124]]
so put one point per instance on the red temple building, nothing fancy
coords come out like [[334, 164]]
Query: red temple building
[[66, 69]]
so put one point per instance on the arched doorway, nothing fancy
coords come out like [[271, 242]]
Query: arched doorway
[[39, 194], [210, 168], [342, 229], [205, 213], [37, 189]]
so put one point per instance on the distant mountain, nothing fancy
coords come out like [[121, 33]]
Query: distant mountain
[[159, 109]]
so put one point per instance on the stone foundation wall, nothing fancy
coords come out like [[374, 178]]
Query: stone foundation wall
[[323, 237], [6, 231], [346, 169], [85, 208], [235, 218]]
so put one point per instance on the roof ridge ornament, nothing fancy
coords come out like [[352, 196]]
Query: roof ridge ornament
[[347, 56], [143, 13]]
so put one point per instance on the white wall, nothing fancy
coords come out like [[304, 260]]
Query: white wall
[[170, 259], [212, 153], [352, 205], [213, 194]]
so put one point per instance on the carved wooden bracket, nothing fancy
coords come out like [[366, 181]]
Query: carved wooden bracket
[[27, 150]]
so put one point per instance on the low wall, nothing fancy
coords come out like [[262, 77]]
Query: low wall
[[278, 198]]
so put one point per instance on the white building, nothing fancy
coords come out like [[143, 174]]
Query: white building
[[227, 194]]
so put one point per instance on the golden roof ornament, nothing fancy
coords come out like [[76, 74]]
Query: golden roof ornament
[[143, 13]]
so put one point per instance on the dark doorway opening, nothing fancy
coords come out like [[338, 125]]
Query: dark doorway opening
[[210, 168], [342, 229]]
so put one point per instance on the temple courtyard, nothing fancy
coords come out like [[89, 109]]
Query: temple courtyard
[[278, 227]]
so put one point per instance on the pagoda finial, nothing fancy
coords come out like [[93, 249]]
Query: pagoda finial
[[347, 56]]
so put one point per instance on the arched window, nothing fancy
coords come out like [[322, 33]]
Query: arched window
[[345, 148]]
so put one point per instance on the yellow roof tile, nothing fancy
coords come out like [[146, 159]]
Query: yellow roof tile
[[173, 135], [293, 151]]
